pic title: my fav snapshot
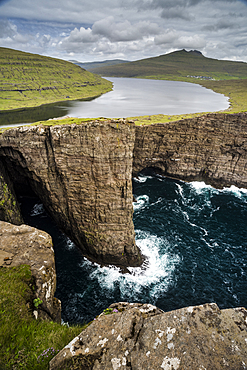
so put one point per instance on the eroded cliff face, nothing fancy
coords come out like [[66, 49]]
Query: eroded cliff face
[[210, 148], [82, 174]]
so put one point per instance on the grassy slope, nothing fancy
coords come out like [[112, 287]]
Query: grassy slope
[[230, 78], [28, 80], [24, 340], [179, 63]]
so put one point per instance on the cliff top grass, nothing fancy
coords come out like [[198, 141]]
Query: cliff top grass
[[30, 80], [26, 343]]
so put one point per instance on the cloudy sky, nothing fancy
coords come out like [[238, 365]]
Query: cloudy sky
[[125, 29]]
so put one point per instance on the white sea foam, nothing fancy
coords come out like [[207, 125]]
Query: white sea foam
[[141, 178], [180, 190], [238, 192], [156, 273], [141, 202], [200, 186], [37, 210]]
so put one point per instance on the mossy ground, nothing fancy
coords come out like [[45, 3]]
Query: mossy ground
[[26, 343]]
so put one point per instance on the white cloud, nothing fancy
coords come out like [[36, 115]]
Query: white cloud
[[134, 29]]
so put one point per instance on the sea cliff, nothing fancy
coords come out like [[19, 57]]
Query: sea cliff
[[210, 148], [82, 173]]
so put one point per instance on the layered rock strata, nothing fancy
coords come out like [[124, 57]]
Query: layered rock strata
[[27, 245], [210, 148], [82, 174], [141, 336]]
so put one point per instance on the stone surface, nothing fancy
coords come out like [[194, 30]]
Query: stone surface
[[140, 337], [83, 175], [210, 148], [27, 245]]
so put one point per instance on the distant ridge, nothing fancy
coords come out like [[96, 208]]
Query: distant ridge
[[179, 65], [91, 66]]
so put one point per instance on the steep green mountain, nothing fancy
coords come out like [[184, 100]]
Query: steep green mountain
[[181, 64], [29, 80], [91, 66]]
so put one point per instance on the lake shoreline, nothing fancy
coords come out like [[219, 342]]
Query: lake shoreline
[[129, 98]]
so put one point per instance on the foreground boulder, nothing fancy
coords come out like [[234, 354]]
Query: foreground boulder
[[27, 245], [141, 336]]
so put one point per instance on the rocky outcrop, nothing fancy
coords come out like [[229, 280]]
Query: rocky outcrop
[[27, 245], [141, 336], [210, 148], [82, 174]]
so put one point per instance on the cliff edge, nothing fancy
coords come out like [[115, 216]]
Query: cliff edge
[[23, 244]]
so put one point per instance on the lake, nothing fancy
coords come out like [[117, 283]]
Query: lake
[[130, 97]]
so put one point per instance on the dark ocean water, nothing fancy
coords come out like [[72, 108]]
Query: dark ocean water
[[195, 241]]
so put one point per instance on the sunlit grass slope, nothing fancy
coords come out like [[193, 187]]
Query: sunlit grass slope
[[29, 80], [225, 77]]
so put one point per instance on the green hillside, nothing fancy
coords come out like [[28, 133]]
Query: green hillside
[[29, 80], [225, 77], [180, 64]]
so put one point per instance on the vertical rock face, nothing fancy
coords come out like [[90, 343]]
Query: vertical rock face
[[9, 209], [210, 148], [82, 174]]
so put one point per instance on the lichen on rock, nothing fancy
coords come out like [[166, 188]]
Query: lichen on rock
[[141, 336]]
